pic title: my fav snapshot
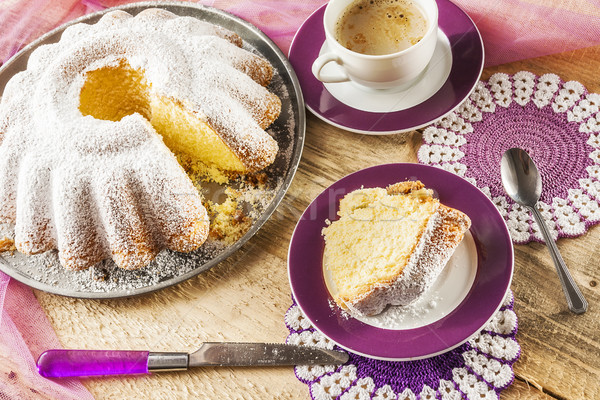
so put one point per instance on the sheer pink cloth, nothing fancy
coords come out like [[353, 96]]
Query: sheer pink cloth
[[520, 29], [511, 30], [25, 333]]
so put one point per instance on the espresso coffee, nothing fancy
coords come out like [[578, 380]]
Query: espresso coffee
[[378, 27]]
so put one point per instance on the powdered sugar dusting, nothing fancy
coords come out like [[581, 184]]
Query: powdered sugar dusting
[[401, 315]]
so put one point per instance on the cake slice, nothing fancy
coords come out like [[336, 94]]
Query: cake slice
[[389, 245]]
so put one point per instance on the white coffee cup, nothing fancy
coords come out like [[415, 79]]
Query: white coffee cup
[[375, 71]]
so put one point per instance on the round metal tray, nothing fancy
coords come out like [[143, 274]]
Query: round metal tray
[[44, 272]]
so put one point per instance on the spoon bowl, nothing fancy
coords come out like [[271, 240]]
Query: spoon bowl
[[522, 182], [520, 177]]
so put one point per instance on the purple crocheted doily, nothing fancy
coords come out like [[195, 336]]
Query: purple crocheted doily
[[479, 369], [556, 122]]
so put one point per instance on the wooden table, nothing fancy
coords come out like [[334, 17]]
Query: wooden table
[[245, 297]]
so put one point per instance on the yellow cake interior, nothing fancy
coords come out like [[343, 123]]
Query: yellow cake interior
[[372, 241], [113, 92]]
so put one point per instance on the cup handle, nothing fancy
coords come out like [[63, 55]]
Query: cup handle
[[333, 76]]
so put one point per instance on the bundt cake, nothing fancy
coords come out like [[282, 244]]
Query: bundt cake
[[389, 245], [82, 168]]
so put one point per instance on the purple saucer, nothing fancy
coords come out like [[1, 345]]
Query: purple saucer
[[492, 279], [467, 63]]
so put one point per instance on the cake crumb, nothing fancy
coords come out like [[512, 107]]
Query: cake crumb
[[257, 179], [7, 244], [100, 274], [228, 221], [405, 187]]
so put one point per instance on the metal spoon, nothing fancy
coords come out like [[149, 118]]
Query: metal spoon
[[522, 182]]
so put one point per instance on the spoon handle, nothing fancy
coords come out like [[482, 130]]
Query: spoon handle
[[577, 303]]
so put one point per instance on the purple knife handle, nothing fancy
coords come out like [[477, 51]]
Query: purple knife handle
[[65, 363]]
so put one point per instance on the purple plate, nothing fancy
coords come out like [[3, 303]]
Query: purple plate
[[461, 41], [492, 279]]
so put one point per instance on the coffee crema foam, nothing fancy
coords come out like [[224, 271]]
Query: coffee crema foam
[[378, 27]]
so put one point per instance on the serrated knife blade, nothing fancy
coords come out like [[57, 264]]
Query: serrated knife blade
[[68, 363]]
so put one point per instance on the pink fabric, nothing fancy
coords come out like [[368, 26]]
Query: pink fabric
[[22, 21], [25, 333], [511, 30], [520, 29]]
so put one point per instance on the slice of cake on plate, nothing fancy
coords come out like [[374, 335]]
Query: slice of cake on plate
[[389, 245]]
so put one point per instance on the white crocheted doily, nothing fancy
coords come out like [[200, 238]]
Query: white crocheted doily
[[477, 370]]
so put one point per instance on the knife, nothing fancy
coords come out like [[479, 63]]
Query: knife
[[66, 363]]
